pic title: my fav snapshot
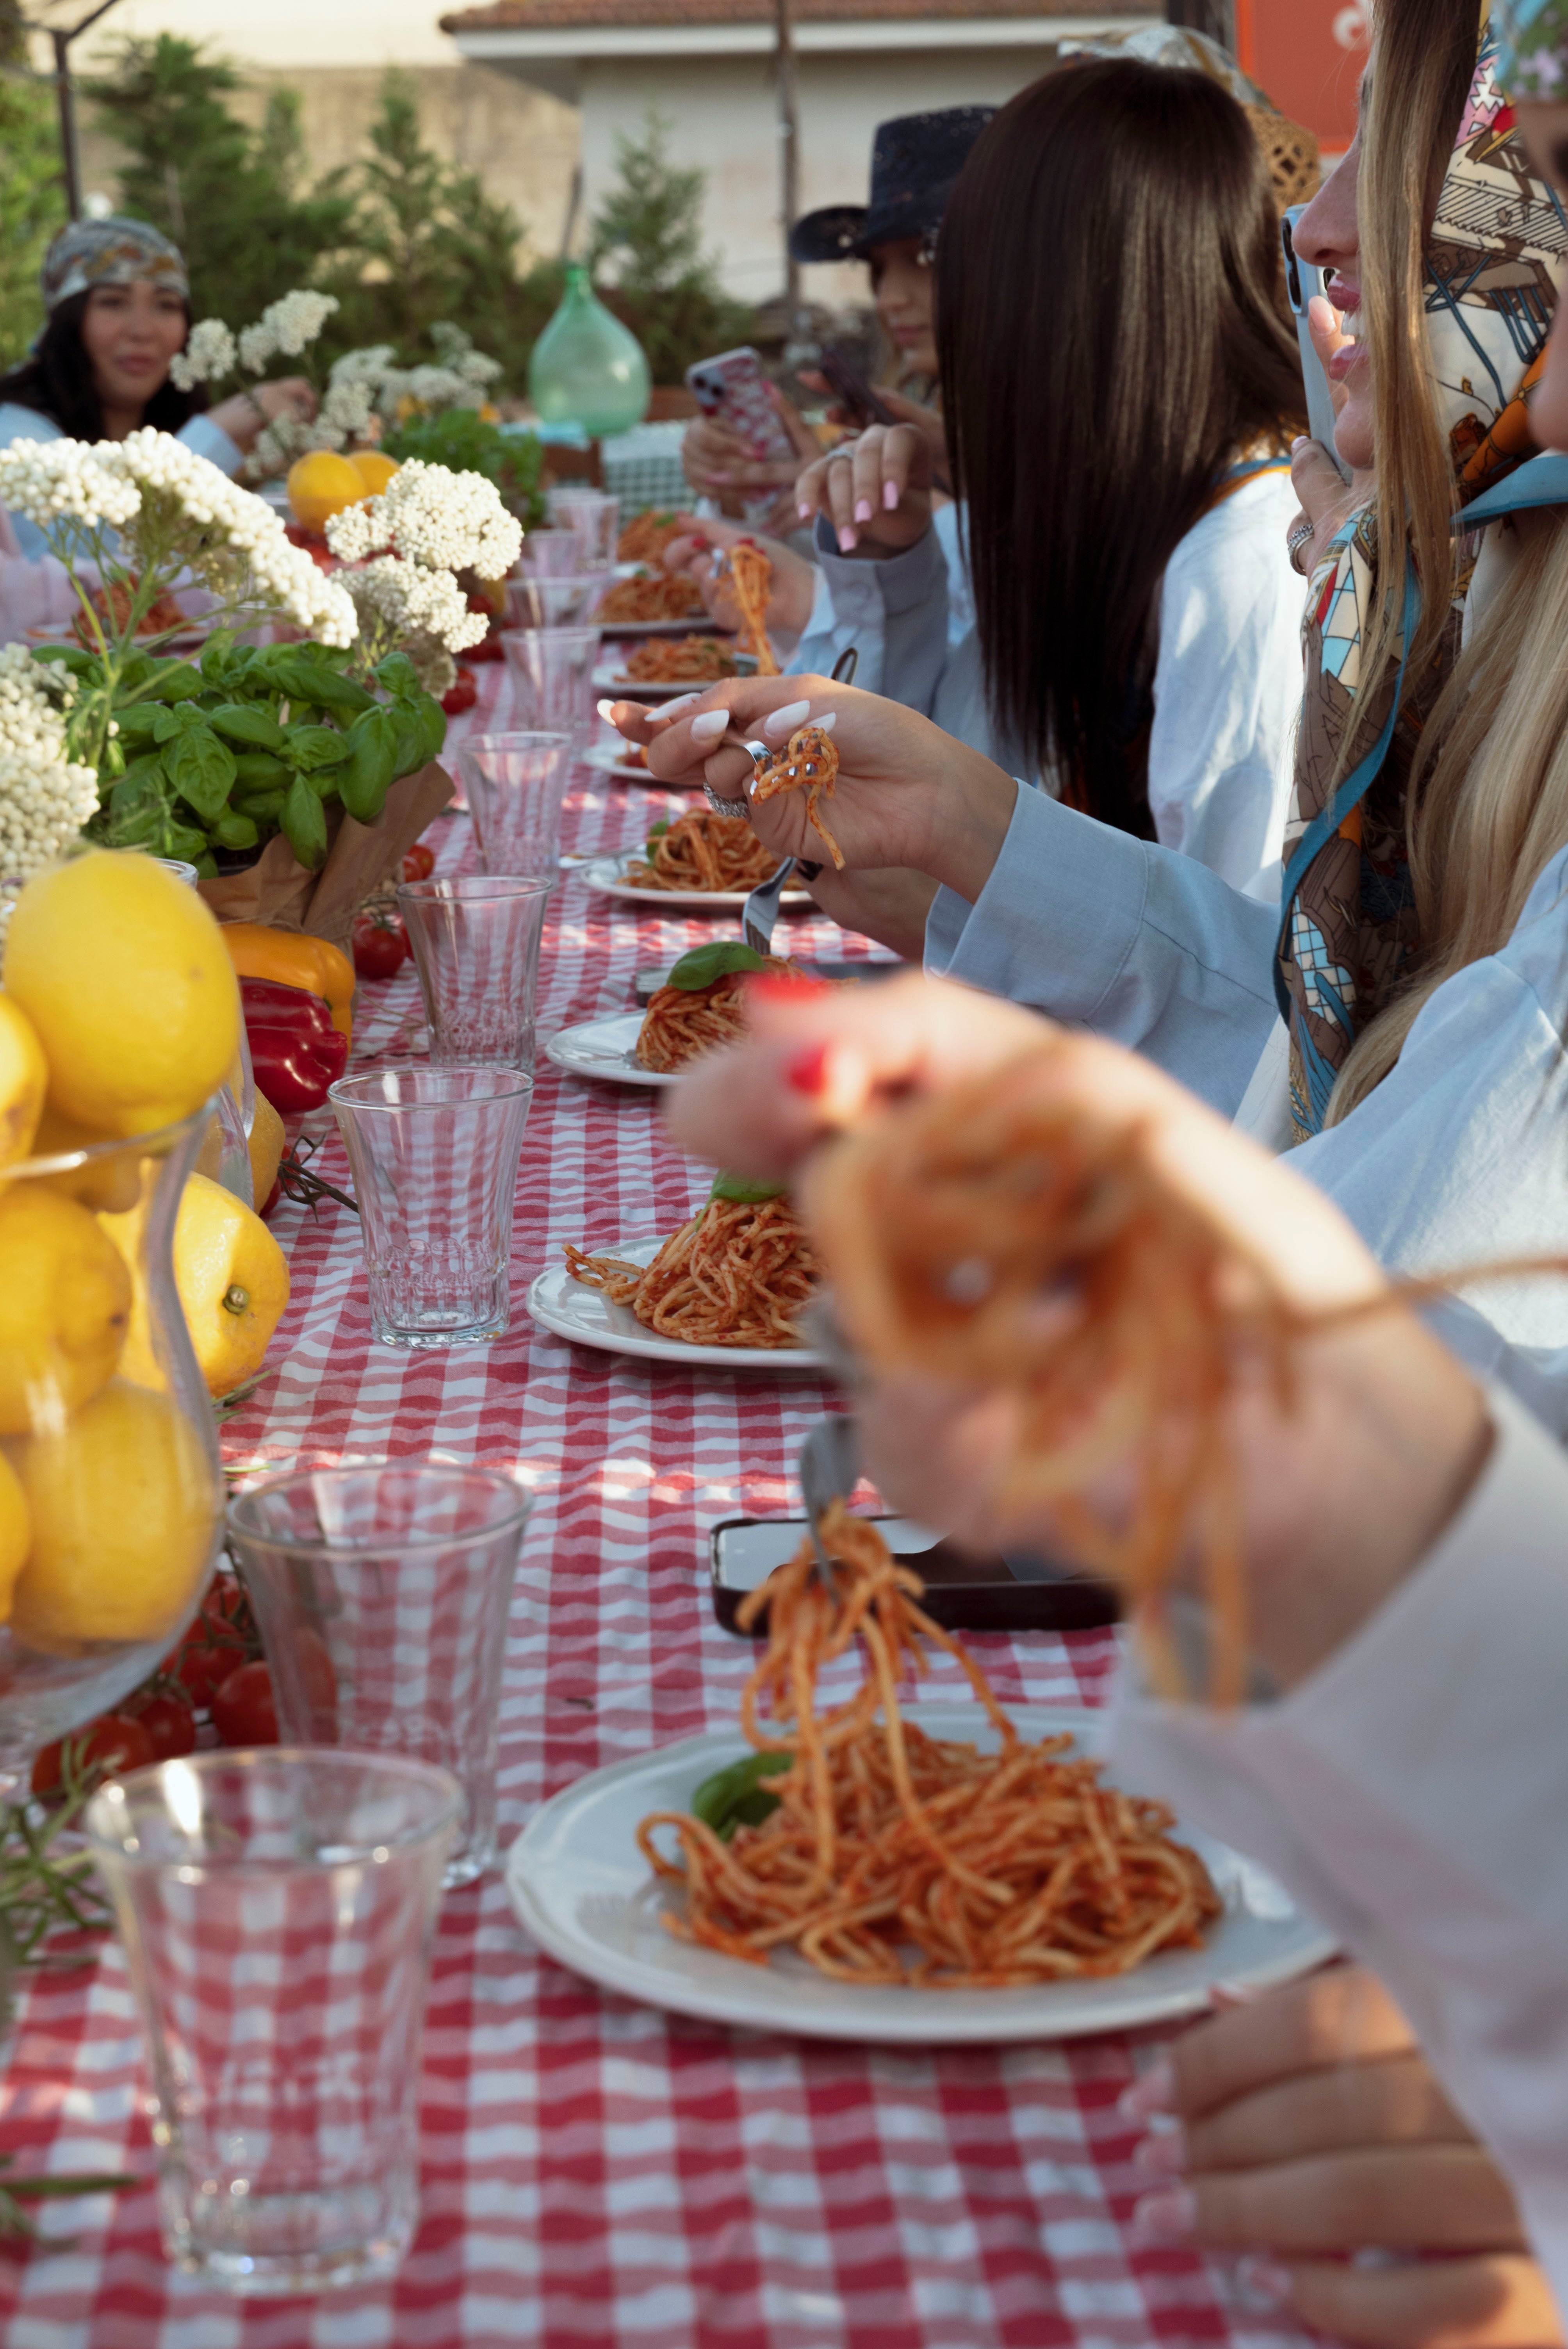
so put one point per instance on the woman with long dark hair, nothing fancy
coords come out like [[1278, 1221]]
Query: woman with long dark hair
[[1120, 389], [117, 298]]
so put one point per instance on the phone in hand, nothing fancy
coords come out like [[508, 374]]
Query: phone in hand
[[852, 392], [1302, 281], [733, 388]]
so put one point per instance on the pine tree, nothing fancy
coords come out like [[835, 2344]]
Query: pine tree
[[646, 239]]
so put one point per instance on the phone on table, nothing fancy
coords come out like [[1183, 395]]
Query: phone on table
[[1302, 281], [851, 390], [734, 388], [963, 1592]]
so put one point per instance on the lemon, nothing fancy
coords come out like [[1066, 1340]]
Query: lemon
[[124, 1501], [233, 1284], [374, 470], [124, 973], [267, 1140], [24, 1081], [65, 1306], [15, 1532], [321, 485], [113, 1182]]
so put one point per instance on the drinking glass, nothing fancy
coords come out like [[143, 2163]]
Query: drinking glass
[[277, 1910], [554, 554], [515, 784], [476, 943], [595, 515], [434, 1153], [556, 603], [383, 1594], [553, 677]]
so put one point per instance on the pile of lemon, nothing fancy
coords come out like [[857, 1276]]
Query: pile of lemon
[[119, 1016]]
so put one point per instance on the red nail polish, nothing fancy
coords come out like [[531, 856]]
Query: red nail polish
[[807, 1071], [784, 986]]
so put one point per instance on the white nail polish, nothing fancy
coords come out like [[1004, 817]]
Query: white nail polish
[[668, 710], [828, 721], [779, 724], [709, 725], [607, 711]]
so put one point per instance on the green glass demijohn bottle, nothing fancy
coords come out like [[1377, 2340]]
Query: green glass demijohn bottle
[[587, 368]]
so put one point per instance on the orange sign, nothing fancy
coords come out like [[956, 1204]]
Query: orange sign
[[1309, 55]]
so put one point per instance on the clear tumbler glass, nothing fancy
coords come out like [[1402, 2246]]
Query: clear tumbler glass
[[515, 784], [277, 1910], [594, 514], [434, 1156], [552, 553], [556, 603], [383, 1594], [553, 677], [476, 943]]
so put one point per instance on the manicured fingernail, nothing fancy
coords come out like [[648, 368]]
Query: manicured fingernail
[[607, 710], [890, 495], [862, 509], [846, 542], [710, 726], [1152, 2092], [1167, 2217], [826, 723], [673, 709], [779, 724], [783, 986], [807, 1072], [1301, 441], [805, 511], [1163, 2153], [1263, 2282]]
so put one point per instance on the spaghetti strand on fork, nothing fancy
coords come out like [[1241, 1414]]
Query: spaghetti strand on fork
[[808, 762]]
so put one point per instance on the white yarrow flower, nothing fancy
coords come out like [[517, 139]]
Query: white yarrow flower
[[45, 797], [54, 482], [414, 601], [432, 516], [208, 355]]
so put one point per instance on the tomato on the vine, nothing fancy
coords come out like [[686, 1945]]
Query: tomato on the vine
[[170, 1720], [107, 1747], [221, 1637], [244, 1711], [419, 862], [380, 947], [461, 694]]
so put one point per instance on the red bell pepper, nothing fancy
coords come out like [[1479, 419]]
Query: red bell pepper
[[295, 1050]]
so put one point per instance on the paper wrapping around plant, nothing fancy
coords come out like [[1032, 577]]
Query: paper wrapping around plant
[[278, 889]]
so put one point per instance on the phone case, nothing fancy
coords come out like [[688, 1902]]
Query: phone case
[[1303, 280], [733, 386], [963, 1592]]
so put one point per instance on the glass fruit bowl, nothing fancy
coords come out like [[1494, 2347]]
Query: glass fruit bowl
[[111, 1487]]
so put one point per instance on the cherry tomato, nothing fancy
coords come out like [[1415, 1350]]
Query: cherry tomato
[[107, 1747], [379, 947], [461, 694], [221, 1637], [419, 862], [243, 1710], [170, 1721]]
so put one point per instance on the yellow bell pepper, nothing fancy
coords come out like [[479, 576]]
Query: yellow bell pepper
[[293, 959]]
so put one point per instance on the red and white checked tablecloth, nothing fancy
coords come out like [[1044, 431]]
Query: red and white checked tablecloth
[[597, 2174]]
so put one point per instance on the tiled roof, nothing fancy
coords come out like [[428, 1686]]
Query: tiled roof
[[540, 15]]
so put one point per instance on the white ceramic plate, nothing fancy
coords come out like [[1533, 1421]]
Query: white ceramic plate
[[608, 760], [583, 1890], [587, 1318], [696, 623], [605, 1049], [607, 875], [610, 676]]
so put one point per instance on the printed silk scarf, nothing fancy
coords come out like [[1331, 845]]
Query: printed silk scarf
[[1348, 920]]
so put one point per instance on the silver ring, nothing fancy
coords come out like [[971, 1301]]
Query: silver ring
[[1295, 540], [738, 809]]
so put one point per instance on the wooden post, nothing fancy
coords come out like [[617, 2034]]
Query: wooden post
[[789, 155], [66, 101]]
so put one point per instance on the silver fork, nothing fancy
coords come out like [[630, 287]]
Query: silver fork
[[828, 1465]]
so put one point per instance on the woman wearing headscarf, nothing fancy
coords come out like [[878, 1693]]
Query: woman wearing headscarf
[[117, 302]]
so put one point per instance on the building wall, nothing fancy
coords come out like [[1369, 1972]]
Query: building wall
[[723, 114]]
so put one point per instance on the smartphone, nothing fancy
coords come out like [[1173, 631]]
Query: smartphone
[[1302, 281], [734, 387], [851, 389], [963, 1592]]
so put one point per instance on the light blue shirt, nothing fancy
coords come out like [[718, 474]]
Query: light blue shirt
[[18, 423]]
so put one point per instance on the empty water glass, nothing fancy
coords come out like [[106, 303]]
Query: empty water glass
[[476, 944], [553, 677], [382, 1593], [277, 1910], [515, 784], [556, 603], [434, 1156], [595, 515], [554, 554]]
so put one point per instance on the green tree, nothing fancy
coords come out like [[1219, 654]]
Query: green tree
[[647, 239], [31, 187], [231, 198]]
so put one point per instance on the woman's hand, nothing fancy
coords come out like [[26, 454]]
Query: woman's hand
[[906, 792], [717, 463], [695, 555], [1375, 1393], [243, 416], [1305, 2126], [875, 491], [1327, 499]]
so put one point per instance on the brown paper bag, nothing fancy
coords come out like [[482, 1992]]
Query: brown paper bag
[[278, 889]]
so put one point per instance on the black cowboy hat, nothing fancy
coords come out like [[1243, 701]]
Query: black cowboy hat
[[914, 161]]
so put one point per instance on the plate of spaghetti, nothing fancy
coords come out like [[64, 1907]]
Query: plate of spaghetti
[[700, 863], [700, 1007], [865, 1869], [727, 1289], [666, 665], [650, 602], [626, 761]]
